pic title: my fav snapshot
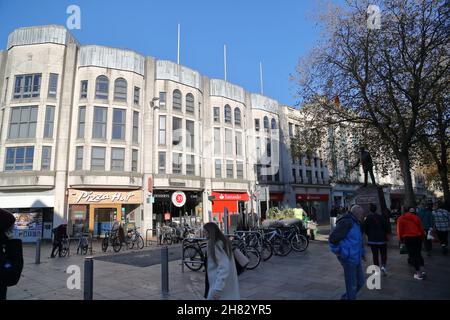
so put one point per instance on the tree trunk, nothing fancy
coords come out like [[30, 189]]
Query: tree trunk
[[443, 173], [405, 166]]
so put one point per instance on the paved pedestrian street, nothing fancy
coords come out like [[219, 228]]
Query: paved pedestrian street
[[313, 274]]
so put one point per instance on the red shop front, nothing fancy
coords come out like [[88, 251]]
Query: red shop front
[[316, 205], [227, 200]]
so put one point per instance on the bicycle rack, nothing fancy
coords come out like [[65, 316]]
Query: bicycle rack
[[190, 241], [153, 231]]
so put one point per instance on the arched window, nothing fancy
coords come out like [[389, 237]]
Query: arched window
[[274, 124], [176, 100], [190, 103], [101, 87], [120, 89], [266, 123], [227, 114], [237, 116]]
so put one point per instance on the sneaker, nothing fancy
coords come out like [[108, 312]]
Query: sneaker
[[384, 271], [418, 276]]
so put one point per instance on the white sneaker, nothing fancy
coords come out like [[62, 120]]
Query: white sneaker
[[384, 271], [418, 276]]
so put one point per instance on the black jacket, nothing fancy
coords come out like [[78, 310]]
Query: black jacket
[[376, 228]]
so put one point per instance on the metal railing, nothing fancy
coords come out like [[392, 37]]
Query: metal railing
[[153, 232]]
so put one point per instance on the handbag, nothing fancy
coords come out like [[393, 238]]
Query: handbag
[[11, 267], [403, 249], [240, 260]]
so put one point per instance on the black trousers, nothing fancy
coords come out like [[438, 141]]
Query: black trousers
[[57, 245], [3, 290], [443, 237], [377, 250], [414, 246], [366, 176]]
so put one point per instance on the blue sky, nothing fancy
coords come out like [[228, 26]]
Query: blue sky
[[274, 32]]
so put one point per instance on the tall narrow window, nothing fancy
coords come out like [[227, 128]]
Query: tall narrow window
[[118, 126], [228, 142], [268, 148], [240, 170], [120, 90], [137, 95], [274, 124], [79, 158], [52, 85], [19, 158], [117, 159], [162, 130], [237, 117], [190, 103], [134, 160], [162, 100], [190, 165], [23, 122], [101, 87], [218, 168], [81, 122], [189, 134], [176, 100], [227, 111], [177, 163], [230, 173], [98, 159], [257, 125], [83, 89], [266, 123], [176, 132], [46, 158], [238, 138], [217, 149], [49, 120], [99, 127], [258, 149], [216, 112], [161, 162], [135, 127]]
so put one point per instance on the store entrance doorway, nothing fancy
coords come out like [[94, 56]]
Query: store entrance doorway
[[102, 218]]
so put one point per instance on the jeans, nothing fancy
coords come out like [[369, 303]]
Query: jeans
[[414, 246], [382, 248], [332, 224], [354, 279]]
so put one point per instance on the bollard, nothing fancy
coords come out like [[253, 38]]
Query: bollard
[[88, 278], [38, 251], [165, 270]]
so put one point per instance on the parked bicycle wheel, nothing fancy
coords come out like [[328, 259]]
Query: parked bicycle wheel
[[64, 249], [282, 246], [130, 243], [266, 250], [299, 243], [105, 243], [117, 245], [140, 242], [192, 257], [254, 257]]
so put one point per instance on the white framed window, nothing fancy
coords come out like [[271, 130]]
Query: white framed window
[[162, 131], [46, 158], [190, 165], [118, 125], [99, 127], [230, 171], [237, 117], [23, 122], [117, 159], [240, 170], [79, 153], [81, 121], [137, 95], [218, 168], [49, 121], [98, 158], [19, 158]]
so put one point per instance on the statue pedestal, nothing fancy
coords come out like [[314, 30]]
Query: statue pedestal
[[371, 194]]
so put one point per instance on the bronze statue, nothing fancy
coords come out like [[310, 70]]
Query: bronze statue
[[366, 161]]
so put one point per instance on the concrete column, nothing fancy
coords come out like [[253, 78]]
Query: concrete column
[[63, 133]]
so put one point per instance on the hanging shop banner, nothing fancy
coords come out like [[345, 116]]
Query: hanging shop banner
[[92, 197], [178, 198], [28, 226]]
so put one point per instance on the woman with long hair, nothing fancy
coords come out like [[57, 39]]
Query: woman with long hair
[[221, 274]]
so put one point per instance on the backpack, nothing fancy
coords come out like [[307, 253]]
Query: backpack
[[12, 264]]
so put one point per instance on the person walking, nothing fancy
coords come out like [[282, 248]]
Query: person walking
[[410, 232], [346, 243], [221, 274], [60, 233], [11, 254], [442, 225], [333, 217], [376, 228], [425, 213]]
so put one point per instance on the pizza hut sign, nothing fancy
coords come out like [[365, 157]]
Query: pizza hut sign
[[87, 197]]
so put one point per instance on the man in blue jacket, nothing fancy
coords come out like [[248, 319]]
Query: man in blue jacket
[[346, 242]]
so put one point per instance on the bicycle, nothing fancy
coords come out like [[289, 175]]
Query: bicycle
[[297, 240], [194, 254], [111, 238], [65, 246], [255, 239], [134, 238], [167, 235], [280, 245], [83, 244], [250, 252]]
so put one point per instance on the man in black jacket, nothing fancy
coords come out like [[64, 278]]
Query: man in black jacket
[[376, 227], [6, 224]]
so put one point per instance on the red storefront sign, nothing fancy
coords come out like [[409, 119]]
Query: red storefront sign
[[227, 200], [276, 196], [312, 197]]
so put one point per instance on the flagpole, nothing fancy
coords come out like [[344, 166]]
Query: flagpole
[[225, 61], [178, 51], [261, 77]]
